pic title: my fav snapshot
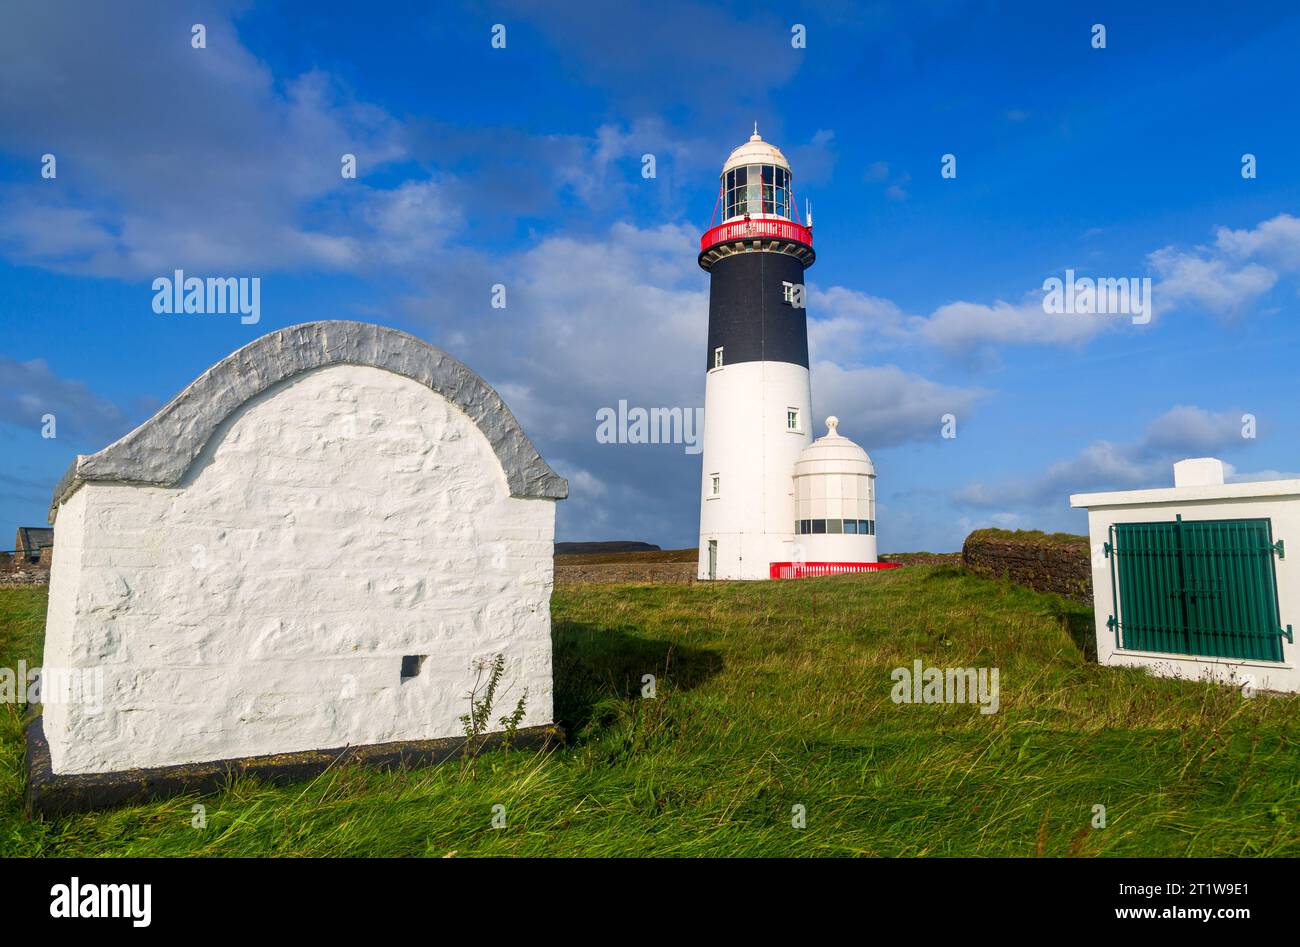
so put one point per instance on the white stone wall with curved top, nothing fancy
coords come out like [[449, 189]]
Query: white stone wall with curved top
[[339, 519], [162, 449]]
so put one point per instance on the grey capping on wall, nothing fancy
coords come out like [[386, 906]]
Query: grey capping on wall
[[161, 450]]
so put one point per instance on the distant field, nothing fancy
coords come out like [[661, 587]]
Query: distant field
[[660, 566], [772, 696]]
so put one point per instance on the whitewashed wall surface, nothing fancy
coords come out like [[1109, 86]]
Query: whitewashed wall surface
[[250, 567]]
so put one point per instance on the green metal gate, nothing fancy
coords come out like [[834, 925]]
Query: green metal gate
[[1205, 588]]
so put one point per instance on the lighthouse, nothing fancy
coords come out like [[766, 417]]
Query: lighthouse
[[754, 518]]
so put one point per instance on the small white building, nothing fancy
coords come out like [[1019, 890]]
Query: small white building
[[315, 545], [835, 500], [1195, 581]]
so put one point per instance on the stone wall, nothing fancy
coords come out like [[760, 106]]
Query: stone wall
[[923, 558], [1058, 562], [633, 571], [20, 570]]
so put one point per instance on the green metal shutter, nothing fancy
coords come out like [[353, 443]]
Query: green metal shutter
[[1201, 588], [1145, 570], [1231, 589]]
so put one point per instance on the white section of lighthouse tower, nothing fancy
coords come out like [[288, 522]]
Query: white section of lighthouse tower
[[750, 448], [758, 394]]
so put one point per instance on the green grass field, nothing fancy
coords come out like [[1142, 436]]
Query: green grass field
[[772, 695]]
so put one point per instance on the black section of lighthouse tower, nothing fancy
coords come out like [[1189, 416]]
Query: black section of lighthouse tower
[[751, 316]]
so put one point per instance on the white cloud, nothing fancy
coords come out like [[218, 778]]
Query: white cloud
[[243, 174], [854, 322], [623, 315], [815, 161], [407, 223], [843, 323], [1187, 430], [1232, 475], [959, 327], [1224, 279], [1233, 274], [882, 406], [29, 390], [1276, 239], [877, 171], [1213, 282], [1182, 431]]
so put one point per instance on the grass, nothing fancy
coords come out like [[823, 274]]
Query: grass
[[992, 534], [772, 695]]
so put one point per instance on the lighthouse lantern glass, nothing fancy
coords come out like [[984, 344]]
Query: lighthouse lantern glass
[[757, 189]]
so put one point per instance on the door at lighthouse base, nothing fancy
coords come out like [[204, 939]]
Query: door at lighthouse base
[[713, 559]]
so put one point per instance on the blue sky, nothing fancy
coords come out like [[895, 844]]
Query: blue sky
[[522, 166]]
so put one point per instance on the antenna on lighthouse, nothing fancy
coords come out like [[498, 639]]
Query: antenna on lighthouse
[[807, 204]]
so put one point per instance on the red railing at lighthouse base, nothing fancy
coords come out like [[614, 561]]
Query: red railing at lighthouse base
[[810, 570]]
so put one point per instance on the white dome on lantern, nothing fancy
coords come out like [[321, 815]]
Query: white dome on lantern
[[756, 151], [833, 453]]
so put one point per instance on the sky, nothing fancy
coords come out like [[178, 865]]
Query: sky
[[521, 165]]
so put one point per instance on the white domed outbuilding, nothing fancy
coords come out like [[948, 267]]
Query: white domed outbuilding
[[835, 500]]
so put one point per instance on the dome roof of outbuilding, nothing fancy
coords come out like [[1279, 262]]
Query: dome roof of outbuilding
[[756, 151], [833, 453]]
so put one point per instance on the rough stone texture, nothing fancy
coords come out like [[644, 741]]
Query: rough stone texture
[[923, 558], [254, 589], [51, 794], [658, 572], [20, 570], [162, 449], [1057, 563]]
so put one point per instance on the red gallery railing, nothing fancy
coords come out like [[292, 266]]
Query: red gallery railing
[[811, 570], [760, 228]]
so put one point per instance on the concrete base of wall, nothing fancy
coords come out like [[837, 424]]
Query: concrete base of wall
[[52, 794], [1259, 676]]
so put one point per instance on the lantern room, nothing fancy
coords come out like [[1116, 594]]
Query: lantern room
[[756, 209], [756, 182]]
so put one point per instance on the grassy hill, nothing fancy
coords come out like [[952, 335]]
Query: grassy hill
[[772, 695]]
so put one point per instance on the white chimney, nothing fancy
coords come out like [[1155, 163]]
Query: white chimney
[[1198, 472]]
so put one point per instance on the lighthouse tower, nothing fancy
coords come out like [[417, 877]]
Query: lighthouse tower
[[757, 394]]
